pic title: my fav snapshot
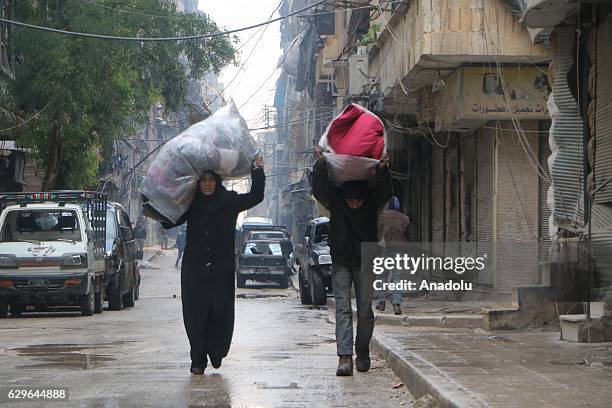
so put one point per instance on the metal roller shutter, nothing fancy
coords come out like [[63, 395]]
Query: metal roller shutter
[[485, 190]]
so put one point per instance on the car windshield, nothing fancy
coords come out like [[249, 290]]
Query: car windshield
[[111, 225], [267, 235], [262, 248], [41, 225], [321, 233]]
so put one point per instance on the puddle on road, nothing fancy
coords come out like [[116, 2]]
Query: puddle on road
[[313, 344], [317, 342], [259, 296], [274, 357], [309, 317], [265, 386], [71, 356]]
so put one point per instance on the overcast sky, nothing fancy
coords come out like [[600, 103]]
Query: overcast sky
[[231, 14]]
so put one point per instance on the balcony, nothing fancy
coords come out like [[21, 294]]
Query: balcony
[[424, 41]]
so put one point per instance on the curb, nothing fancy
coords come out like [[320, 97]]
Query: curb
[[421, 377]]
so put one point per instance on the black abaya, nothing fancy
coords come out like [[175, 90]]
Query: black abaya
[[208, 269]]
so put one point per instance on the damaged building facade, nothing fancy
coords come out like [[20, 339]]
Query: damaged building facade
[[581, 140], [489, 138]]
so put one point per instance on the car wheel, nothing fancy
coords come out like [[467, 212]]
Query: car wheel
[[114, 293], [137, 290], [17, 310], [128, 298], [317, 289], [88, 303], [4, 309], [304, 290], [284, 283], [99, 300], [241, 282]]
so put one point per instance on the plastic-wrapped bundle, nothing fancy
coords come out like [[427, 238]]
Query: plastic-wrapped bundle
[[342, 167], [356, 140], [221, 143]]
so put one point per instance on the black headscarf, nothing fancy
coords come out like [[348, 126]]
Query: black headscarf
[[356, 189], [209, 204]]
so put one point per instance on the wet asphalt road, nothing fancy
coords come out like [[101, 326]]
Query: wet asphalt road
[[283, 355]]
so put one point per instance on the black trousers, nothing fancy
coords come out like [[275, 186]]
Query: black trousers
[[208, 311]]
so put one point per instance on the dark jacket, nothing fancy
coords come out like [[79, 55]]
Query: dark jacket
[[181, 240], [349, 228], [208, 269]]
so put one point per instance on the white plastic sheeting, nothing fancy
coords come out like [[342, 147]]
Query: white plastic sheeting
[[221, 143]]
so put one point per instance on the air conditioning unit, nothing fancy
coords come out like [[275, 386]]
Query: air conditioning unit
[[358, 74]]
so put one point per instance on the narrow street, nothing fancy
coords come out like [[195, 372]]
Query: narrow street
[[283, 354]]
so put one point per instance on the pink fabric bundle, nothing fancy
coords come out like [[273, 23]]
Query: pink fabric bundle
[[355, 132], [355, 141]]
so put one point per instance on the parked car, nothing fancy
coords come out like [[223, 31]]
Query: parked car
[[314, 261], [52, 251], [243, 234], [122, 274], [263, 261]]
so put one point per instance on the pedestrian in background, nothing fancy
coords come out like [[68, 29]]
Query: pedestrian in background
[[163, 237], [140, 234], [208, 277], [354, 208], [395, 228], [181, 240]]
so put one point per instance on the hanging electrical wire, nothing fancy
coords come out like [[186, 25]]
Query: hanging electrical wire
[[263, 31], [158, 39], [134, 12], [25, 122]]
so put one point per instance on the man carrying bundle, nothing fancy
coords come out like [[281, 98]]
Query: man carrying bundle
[[354, 209]]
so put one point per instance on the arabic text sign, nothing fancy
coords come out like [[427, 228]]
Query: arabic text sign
[[478, 94]]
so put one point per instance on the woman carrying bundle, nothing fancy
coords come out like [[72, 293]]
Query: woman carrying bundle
[[208, 268]]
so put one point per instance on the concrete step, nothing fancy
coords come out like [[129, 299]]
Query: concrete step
[[577, 328], [437, 320]]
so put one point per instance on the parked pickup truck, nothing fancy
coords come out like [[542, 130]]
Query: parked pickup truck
[[122, 276], [314, 260], [263, 261], [52, 250]]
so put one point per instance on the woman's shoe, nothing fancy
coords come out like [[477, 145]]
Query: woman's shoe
[[197, 369], [381, 305], [216, 361]]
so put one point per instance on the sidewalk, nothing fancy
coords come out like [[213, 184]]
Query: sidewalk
[[470, 367]]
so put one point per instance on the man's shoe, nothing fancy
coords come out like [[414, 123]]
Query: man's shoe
[[397, 310], [345, 366], [362, 362], [197, 369], [216, 361], [381, 305]]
